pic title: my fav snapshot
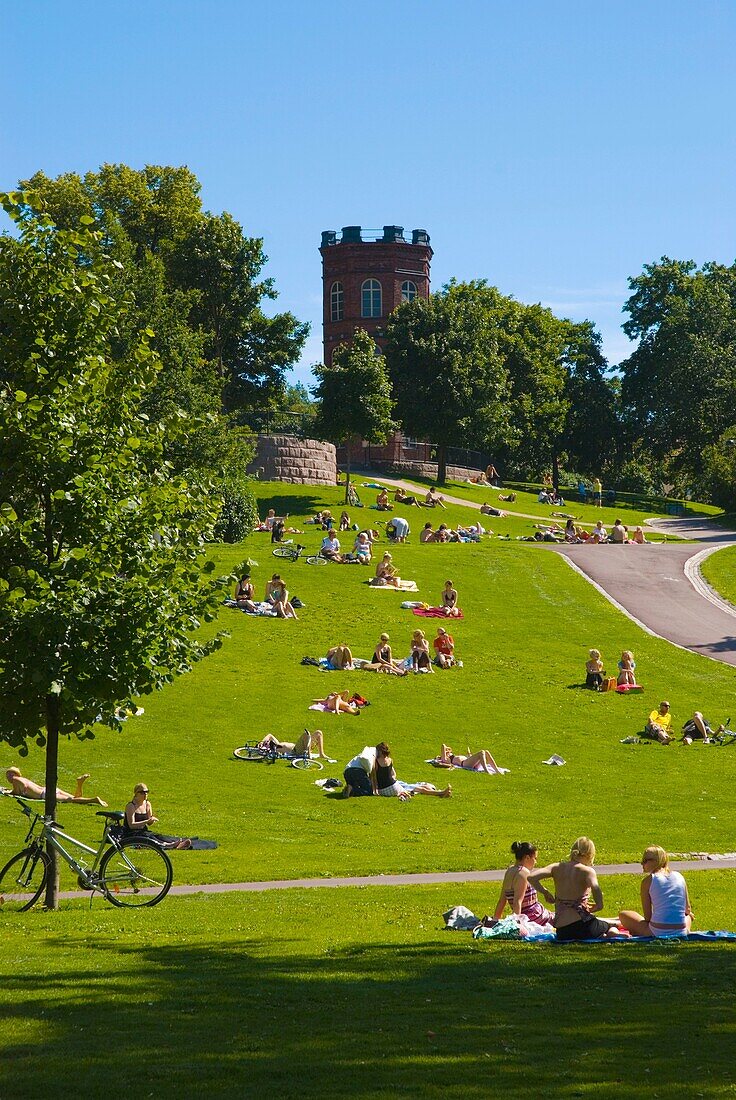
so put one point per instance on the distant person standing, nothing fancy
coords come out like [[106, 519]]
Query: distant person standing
[[598, 492], [492, 475]]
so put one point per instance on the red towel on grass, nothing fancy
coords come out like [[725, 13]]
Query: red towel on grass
[[435, 613]]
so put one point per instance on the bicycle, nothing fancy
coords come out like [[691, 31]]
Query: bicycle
[[255, 751], [130, 871], [293, 553]]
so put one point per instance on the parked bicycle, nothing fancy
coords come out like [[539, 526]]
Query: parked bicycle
[[129, 871], [255, 751], [293, 553]]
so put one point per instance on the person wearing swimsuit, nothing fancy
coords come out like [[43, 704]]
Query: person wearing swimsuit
[[383, 661], [578, 896], [388, 786], [139, 815], [244, 593], [664, 899], [515, 889], [480, 761], [26, 788], [449, 600]]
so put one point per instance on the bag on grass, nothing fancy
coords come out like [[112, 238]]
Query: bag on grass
[[609, 684]]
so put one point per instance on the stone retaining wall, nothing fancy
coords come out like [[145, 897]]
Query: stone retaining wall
[[298, 461], [423, 469]]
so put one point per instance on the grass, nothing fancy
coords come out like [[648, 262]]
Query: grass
[[720, 572], [362, 993], [529, 623]]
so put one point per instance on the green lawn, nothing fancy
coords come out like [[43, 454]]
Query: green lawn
[[720, 571], [529, 623], [359, 993]]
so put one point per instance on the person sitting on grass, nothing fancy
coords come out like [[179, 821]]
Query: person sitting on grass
[[594, 671], [139, 815], [626, 667], [340, 658], [427, 534], [302, 747], [578, 896], [388, 786], [401, 498], [26, 788], [386, 572], [278, 597], [444, 647], [599, 533], [338, 702], [362, 549], [383, 660], [433, 498], [515, 889], [330, 547], [344, 522], [664, 900], [698, 729], [480, 761], [448, 602], [244, 593], [619, 534], [420, 661], [659, 724], [639, 538], [382, 502], [571, 534]]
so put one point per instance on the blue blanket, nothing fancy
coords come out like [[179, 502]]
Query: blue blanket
[[692, 937]]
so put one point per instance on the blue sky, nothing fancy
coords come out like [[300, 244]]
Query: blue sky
[[552, 148]]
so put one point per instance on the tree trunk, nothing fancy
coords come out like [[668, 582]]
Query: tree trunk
[[52, 772], [441, 464], [347, 469], [555, 473]]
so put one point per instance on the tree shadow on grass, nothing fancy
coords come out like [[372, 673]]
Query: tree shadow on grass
[[454, 1018], [284, 506]]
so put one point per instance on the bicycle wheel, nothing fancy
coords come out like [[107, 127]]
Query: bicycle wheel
[[22, 880], [136, 874], [316, 559], [249, 752], [303, 762], [285, 552]]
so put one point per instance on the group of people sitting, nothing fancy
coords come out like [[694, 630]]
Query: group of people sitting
[[432, 499], [340, 657], [597, 679], [619, 534], [697, 728], [470, 533], [276, 597], [578, 898]]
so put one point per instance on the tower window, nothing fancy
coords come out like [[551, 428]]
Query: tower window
[[408, 291], [371, 298], [337, 302]]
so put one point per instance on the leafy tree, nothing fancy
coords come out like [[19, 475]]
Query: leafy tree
[[449, 380], [103, 583], [592, 427], [354, 396], [679, 385], [719, 462]]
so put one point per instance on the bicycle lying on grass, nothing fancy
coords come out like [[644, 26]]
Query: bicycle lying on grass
[[253, 750], [130, 871], [293, 553]]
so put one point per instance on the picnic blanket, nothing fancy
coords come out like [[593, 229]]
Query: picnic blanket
[[436, 613], [262, 608], [520, 928]]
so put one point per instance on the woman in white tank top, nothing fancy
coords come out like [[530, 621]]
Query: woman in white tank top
[[664, 900]]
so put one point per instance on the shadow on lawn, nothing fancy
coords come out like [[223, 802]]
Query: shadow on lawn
[[454, 1019], [284, 505]]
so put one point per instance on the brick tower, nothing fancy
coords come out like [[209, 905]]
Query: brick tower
[[365, 276]]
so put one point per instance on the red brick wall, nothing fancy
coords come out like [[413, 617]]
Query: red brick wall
[[351, 263]]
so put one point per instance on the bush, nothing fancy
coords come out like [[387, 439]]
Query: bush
[[238, 516]]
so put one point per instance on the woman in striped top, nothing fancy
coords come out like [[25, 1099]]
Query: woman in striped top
[[516, 891]]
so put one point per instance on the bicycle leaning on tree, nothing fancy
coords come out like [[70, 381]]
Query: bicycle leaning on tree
[[129, 871]]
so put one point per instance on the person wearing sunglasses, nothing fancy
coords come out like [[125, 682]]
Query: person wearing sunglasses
[[139, 815], [664, 900]]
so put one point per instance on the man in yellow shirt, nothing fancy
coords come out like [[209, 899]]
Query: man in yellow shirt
[[659, 723]]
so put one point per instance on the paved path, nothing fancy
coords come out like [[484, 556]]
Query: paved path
[[420, 491], [659, 586], [438, 879]]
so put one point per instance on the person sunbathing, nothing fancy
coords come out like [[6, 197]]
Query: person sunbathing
[[244, 593], [659, 724], [338, 702], [383, 660], [279, 599], [578, 896], [388, 786], [594, 671], [444, 647], [386, 572], [433, 499], [626, 667], [420, 659], [515, 889], [697, 728], [664, 900], [340, 658], [139, 815], [362, 549], [382, 502], [26, 788], [488, 510], [401, 498], [302, 747], [448, 603], [427, 534], [480, 761], [639, 537]]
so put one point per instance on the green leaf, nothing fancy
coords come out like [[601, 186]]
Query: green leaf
[[21, 396], [8, 512]]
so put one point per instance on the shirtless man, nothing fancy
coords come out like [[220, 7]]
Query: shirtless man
[[433, 499], [302, 747], [26, 788]]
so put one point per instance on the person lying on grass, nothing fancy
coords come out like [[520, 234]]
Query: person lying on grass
[[302, 747], [388, 786], [578, 896], [659, 724], [480, 761], [338, 702], [420, 660], [383, 660], [26, 788], [340, 658], [515, 889], [664, 900], [698, 729], [139, 815]]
